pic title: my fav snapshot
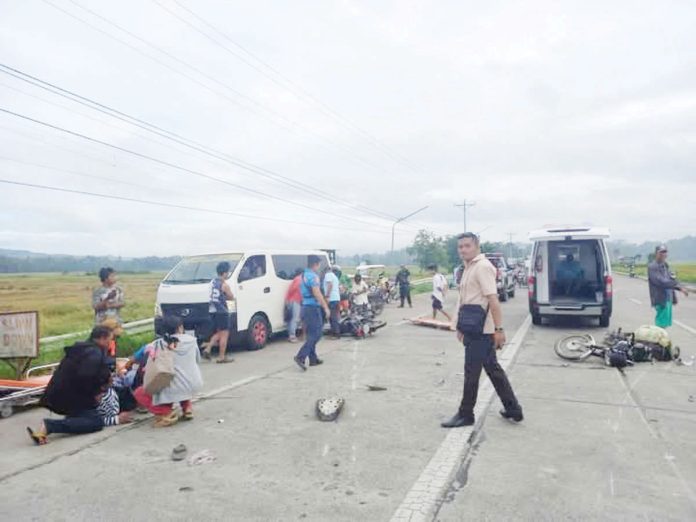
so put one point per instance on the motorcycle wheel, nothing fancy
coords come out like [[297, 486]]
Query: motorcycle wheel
[[575, 347]]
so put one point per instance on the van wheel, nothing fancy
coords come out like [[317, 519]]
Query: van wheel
[[604, 320], [512, 292], [503, 296], [258, 333], [536, 319]]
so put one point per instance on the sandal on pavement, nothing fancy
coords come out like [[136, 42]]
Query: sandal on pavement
[[223, 361], [164, 421], [38, 437]]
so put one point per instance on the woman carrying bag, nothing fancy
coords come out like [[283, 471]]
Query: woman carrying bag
[[172, 375]]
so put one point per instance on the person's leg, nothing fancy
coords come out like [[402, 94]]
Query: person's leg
[[317, 334], [307, 320], [446, 315], [663, 314], [408, 297], [187, 409], [402, 296], [474, 355], [295, 310], [500, 381], [224, 339], [335, 326], [87, 421], [145, 400]]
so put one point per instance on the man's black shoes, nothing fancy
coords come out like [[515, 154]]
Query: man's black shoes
[[300, 363], [515, 415], [459, 421], [316, 363]]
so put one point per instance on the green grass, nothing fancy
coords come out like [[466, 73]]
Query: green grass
[[64, 301], [686, 272], [53, 352]]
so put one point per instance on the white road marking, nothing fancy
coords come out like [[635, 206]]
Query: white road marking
[[637, 301], [611, 483], [685, 327], [229, 387], [422, 501]]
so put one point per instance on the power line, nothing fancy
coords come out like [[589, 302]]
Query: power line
[[178, 167], [205, 75], [142, 124], [174, 205], [286, 83]]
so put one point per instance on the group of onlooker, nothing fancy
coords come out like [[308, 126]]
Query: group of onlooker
[[90, 389]]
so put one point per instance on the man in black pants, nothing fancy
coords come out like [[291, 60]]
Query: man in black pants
[[76, 387], [404, 286], [478, 287]]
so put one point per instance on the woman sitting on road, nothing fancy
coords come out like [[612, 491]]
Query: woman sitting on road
[[187, 376]]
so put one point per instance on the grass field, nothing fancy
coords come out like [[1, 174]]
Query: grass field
[[64, 301], [686, 272]]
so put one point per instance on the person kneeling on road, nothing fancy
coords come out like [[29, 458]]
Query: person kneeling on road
[[187, 375], [479, 327], [76, 388], [312, 304]]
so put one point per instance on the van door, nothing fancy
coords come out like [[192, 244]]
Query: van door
[[252, 290], [285, 266], [540, 270]]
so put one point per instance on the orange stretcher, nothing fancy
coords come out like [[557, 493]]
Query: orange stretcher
[[28, 391], [432, 323]]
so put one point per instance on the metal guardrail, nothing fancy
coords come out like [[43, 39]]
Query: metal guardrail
[[132, 327]]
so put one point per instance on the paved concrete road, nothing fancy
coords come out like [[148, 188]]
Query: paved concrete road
[[275, 461], [595, 444]]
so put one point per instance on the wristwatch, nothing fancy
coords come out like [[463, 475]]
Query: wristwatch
[[500, 329]]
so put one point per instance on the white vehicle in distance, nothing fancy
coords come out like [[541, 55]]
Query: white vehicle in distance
[[570, 274], [259, 281]]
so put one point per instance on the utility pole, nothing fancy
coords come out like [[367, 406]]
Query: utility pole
[[510, 234], [403, 219], [464, 206]]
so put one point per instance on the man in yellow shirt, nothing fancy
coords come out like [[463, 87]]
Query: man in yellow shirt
[[478, 287]]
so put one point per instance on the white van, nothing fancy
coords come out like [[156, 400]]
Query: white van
[[259, 281], [570, 274]]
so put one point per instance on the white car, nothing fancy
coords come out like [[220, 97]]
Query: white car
[[570, 274], [259, 281]]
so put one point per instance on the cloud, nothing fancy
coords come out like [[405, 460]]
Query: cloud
[[538, 111]]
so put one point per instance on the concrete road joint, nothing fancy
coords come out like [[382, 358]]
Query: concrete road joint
[[424, 499]]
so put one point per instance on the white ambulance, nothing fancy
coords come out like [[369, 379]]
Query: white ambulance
[[570, 274]]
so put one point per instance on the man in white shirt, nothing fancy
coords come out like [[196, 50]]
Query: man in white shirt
[[359, 291], [439, 292]]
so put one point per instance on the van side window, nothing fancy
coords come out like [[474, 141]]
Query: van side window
[[253, 267], [286, 265]]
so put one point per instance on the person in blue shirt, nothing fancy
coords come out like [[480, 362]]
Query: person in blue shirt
[[312, 304], [332, 294]]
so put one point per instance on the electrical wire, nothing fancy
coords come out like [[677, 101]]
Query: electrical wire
[[142, 124], [284, 81], [180, 168]]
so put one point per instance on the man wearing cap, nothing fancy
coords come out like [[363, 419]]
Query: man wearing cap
[[662, 286]]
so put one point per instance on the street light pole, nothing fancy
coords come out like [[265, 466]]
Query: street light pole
[[464, 206], [403, 219]]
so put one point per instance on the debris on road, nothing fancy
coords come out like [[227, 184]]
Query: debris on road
[[202, 457], [329, 409], [179, 452], [372, 387], [432, 323]]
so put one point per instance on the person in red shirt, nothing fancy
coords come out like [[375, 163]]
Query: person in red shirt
[[293, 304]]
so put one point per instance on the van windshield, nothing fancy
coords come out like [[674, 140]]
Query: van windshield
[[200, 269]]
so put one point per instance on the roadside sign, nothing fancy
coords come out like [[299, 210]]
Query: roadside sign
[[19, 335]]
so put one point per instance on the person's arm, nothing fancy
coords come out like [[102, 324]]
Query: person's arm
[[658, 278], [496, 311], [97, 302], [320, 299], [227, 291]]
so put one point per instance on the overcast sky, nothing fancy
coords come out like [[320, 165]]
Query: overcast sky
[[539, 112]]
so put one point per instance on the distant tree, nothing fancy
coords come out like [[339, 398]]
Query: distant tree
[[429, 249]]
